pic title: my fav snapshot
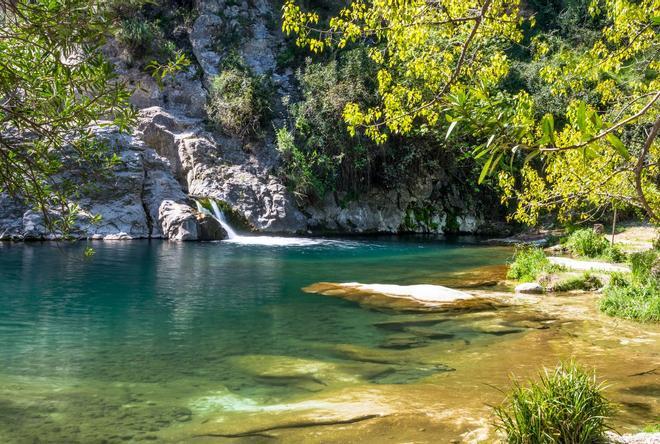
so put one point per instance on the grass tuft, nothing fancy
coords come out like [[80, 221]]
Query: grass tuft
[[637, 297], [565, 405], [528, 263]]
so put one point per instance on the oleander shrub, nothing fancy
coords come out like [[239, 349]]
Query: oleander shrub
[[565, 405]]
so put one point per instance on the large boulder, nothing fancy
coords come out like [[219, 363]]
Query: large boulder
[[179, 221], [209, 165], [209, 228]]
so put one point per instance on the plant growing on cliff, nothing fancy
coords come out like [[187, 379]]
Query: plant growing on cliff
[[441, 66], [238, 101], [54, 84], [565, 405]]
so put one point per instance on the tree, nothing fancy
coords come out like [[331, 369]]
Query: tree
[[441, 65], [54, 84]]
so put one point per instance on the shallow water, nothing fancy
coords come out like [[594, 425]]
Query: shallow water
[[166, 341]]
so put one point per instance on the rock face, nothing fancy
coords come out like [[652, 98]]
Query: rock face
[[140, 199], [174, 156]]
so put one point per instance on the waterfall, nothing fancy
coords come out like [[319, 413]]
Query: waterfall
[[275, 241], [220, 216]]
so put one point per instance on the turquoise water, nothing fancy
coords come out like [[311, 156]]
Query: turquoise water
[[142, 314], [136, 305]]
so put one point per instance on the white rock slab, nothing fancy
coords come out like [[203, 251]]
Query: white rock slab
[[423, 293], [574, 264]]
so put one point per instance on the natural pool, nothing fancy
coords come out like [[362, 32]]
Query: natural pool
[[215, 342]]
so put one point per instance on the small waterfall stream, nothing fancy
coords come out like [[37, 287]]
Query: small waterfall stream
[[220, 216], [236, 238]]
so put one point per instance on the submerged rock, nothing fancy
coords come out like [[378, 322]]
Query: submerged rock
[[403, 297]]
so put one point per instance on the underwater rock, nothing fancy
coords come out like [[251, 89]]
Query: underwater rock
[[423, 298], [290, 370]]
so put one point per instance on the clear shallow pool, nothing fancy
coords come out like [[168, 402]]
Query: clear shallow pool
[[157, 340]]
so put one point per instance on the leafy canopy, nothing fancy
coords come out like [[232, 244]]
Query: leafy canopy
[[54, 83], [441, 66]]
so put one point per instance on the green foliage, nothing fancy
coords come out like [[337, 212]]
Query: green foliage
[[565, 405], [151, 34], [528, 263], [586, 281], [644, 265], [300, 167], [637, 301], [566, 147], [586, 242], [239, 102], [636, 298], [54, 84]]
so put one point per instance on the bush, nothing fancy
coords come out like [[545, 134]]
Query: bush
[[586, 281], [586, 242], [643, 265], [639, 297], [238, 102], [565, 406], [636, 301], [613, 253], [528, 263]]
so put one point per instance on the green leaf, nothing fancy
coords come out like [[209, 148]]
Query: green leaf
[[582, 116], [618, 145], [486, 168], [451, 128], [548, 127], [531, 155]]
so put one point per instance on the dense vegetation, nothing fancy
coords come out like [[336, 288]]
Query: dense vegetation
[[528, 264], [563, 104], [637, 296], [565, 405]]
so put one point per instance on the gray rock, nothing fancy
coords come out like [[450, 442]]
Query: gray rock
[[179, 221], [529, 288], [209, 228], [210, 166], [638, 438]]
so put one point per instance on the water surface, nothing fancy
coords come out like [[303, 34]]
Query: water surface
[[162, 340]]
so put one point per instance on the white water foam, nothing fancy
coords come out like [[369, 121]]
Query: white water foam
[[272, 241]]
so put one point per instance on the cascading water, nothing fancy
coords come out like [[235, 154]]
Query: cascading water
[[220, 216], [233, 237]]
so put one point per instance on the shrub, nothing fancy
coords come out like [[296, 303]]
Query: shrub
[[639, 297], [636, 301], [643, 265], [528, 263], [138, 35], [238, 102], [613, 253], [586, 281], [565, 406], [586, 242]]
